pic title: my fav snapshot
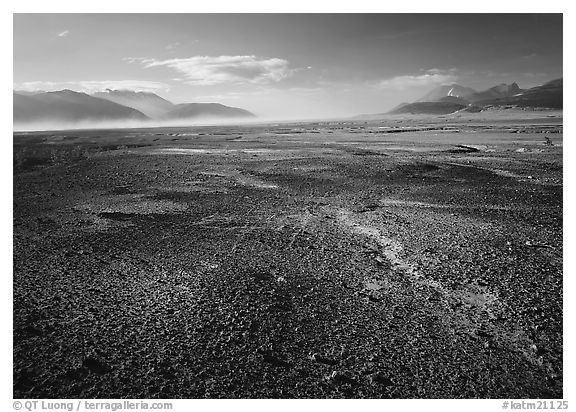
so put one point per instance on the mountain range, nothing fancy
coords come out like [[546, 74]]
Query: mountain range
[[147, 103], [452, 98], [65, 108]]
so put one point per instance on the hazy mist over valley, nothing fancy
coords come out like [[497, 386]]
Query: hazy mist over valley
[[66, 109]]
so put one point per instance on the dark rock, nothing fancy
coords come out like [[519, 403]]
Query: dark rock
[[23, 382], [341, 378], [95, 365], [74, 374], [31, 330], [274, 360], [45, 221], [381, 379], [322, 359], [373, 298], [484, 333]]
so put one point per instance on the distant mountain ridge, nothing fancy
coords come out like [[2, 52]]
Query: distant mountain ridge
[[550, 95], [448, 99], [65, 108], [453, 90], [429, 108], [497, 92], [148, 103], [206, 110]]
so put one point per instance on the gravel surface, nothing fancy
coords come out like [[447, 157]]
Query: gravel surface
[[319, 260]]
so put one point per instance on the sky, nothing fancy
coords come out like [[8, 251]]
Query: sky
[[286, 65]]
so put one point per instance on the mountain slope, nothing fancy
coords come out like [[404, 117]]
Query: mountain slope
[[548, 95], [150, 104], [497, 92], [67, 106], [453, 90], [428, 108], [206, 111], [453, 99]]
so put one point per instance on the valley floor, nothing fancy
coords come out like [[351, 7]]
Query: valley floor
[[396, 259]]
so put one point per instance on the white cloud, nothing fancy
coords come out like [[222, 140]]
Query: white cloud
[[428, 78], [207, 70], [64, 33], [172, 46], [92, 86]]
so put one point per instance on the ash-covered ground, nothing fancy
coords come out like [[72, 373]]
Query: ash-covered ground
[[393, 259]]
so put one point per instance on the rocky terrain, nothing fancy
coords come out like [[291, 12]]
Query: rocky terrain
[[407, 258]]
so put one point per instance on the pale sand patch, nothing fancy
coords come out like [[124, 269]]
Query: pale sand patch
[[190, 151], [237, 177], [187, 151], [389, 248], [391, 202], [130, 204], [479, 306]]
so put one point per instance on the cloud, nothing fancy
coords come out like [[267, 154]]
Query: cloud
[[92, 86], [428, 78], [207, 70], [176, 45], [64, 33], [173, 46]]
